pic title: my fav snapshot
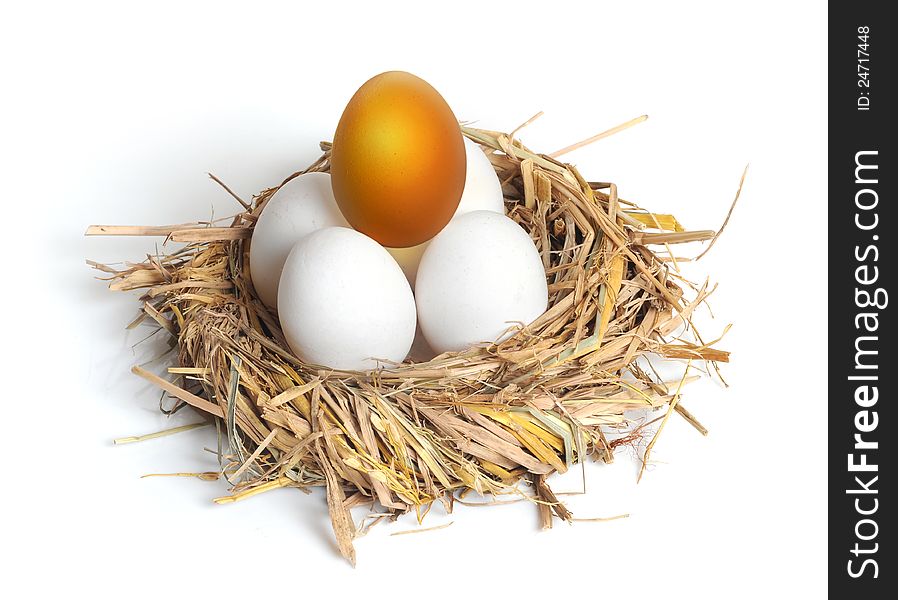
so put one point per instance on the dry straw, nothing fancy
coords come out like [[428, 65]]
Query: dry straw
[[485, 419]]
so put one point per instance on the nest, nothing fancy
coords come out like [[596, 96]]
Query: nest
[[486, 419]]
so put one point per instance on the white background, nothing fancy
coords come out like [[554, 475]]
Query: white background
[[114, 114]]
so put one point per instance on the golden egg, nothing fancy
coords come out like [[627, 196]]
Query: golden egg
[[398, 160]]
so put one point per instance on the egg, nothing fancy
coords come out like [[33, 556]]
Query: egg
[[481, 276], [398, 160], [483, 191], [302, 205], [344, 303]]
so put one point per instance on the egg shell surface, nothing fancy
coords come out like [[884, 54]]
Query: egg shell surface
[[302, 205], [479, 277], [483, 190], [398, 160], [343, 302]]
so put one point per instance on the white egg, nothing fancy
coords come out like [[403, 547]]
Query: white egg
[[483, 191], [479, 277], [303, 205], [344, 303]]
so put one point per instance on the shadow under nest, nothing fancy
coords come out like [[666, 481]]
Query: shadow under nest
[[484, 419]]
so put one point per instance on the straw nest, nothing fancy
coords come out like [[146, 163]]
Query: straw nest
[[486, 419]]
